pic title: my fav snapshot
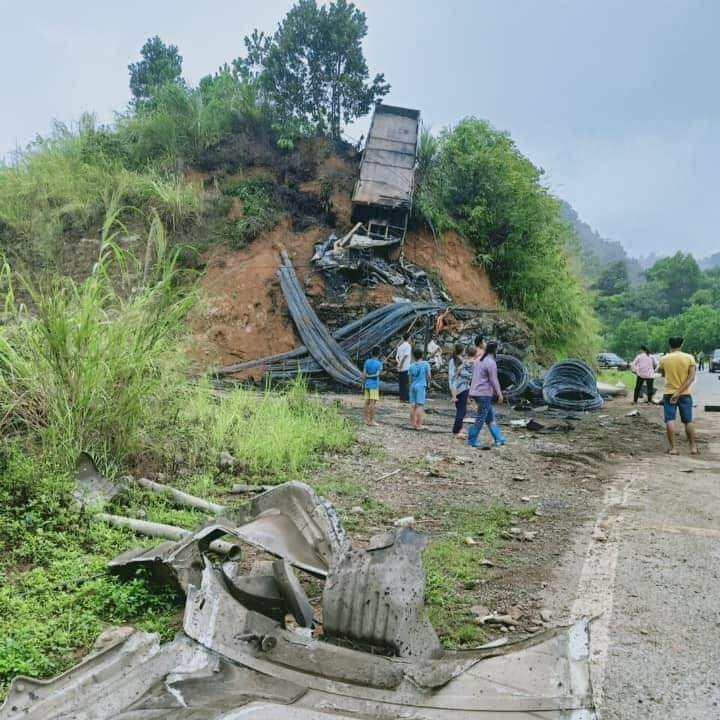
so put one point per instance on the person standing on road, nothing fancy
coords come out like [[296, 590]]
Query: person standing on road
[[644, 366], [419, 372], [678, 368], [402, 358], [371, 384], [701, 361], [459, 378], [484, 390]]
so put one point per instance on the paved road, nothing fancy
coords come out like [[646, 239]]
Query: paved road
[[707, 389], [649, 570]]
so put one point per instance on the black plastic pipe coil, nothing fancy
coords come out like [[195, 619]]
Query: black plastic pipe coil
[[571, 385], [513, 376]]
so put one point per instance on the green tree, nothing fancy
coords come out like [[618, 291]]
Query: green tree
[[699, 325], [677, 277], [313, 67], [161, 64], [479, 184], [614, 279]]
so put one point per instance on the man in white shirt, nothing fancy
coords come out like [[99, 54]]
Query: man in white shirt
[[402, 358]]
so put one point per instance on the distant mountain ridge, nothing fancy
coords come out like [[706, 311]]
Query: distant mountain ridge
[[710, 262], [597, 252]]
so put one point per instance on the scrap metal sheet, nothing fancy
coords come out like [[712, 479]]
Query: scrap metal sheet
[[388, 166]]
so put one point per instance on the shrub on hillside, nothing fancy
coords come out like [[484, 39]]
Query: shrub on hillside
[[476, 181]]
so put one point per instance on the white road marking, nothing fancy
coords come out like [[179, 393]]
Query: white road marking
[[596, 587]]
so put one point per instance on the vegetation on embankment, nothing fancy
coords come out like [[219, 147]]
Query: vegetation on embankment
[[473, 179], [99, 367]]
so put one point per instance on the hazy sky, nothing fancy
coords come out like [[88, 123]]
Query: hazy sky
[[616, 99]]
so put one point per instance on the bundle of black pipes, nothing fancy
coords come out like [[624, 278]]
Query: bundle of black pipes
[[317, 338], [571, 385], [513, 376], [326, 352]]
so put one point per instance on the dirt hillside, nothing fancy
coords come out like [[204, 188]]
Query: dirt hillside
[[243, 315], [453, 259]]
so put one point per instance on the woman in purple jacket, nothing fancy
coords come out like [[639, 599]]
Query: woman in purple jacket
[[484, 390]]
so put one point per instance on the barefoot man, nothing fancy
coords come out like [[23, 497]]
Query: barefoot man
[[678, 368]]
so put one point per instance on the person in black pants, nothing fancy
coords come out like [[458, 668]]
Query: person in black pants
[[649, 384], [403, 357], [459, 377], [644, 366]]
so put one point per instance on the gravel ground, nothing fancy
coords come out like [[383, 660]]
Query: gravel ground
[[558, 475]]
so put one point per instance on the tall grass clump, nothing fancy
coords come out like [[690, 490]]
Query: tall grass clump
[[180, 122], [260, 211], [270, 433], [87, 364]]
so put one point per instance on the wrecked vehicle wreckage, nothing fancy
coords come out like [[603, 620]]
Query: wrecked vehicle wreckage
[[239, 656]]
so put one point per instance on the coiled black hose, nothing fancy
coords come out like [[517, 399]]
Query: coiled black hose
[[534, 391], [571, 385], [513, 376]]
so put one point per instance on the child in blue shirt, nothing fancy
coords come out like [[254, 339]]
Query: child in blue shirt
[[371, 384], [419, 380]]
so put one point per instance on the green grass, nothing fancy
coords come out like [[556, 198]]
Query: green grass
[[94, 361], [615, 376], [56, 595], [453, 570], [260, 209], [272, 434]]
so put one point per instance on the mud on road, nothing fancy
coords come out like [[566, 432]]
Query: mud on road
[[502, 519]]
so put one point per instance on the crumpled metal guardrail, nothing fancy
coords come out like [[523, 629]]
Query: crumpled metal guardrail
[[238, 657]]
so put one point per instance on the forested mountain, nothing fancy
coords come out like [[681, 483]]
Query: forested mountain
[[710, 262], [597, 252]]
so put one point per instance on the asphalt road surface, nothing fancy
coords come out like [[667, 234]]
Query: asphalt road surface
[[649, 571]]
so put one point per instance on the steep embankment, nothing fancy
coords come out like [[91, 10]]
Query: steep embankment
[[243, 315], [452, 258]]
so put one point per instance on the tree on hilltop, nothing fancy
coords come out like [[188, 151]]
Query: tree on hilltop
[[313, 69], [161, 64]]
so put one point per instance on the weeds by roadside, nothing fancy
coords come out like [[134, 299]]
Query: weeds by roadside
[[99, 367], [613, 377], [453, 568]]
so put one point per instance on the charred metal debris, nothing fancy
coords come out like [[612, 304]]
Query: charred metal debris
[[253, 645], [338, 353]]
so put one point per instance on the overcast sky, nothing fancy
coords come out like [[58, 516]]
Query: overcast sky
[[616, 99]]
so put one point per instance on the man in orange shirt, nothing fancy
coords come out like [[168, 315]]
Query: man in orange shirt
[[678, 368]]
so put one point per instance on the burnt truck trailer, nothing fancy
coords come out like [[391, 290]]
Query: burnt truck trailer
[[382, 198]]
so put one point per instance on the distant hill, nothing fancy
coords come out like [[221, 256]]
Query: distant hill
[[710, 262], [598, 252]]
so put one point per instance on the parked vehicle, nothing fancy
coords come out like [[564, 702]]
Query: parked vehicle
[[611, 360], [714, 364]]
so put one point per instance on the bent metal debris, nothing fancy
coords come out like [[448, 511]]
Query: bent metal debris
[[239, 656]]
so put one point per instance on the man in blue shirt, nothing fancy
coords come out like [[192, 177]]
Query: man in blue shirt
[[371, 384]]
